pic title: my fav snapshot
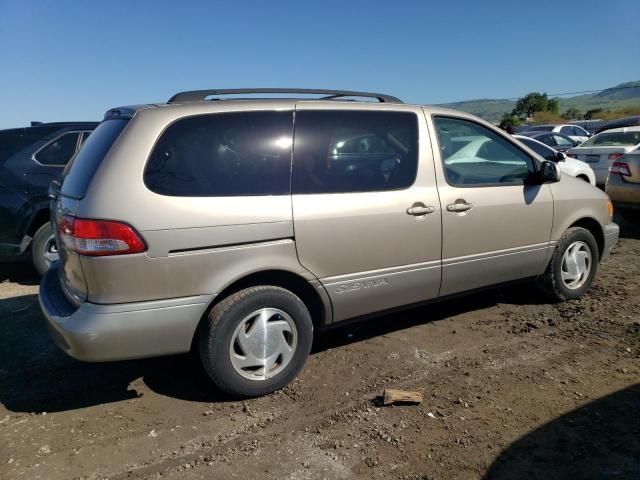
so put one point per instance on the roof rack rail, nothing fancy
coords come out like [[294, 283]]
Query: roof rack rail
[[199, 95]]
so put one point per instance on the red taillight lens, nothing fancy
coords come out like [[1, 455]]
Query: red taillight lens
[[99, 237], [620, 167], [615, 156]]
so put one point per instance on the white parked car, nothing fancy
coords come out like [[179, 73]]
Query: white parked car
[[568, 165], [576, 133], [605, 148]]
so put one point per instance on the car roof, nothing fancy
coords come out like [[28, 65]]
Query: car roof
[[622, 130]]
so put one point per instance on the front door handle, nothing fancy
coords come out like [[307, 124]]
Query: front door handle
[[458, 206], [419, 208]]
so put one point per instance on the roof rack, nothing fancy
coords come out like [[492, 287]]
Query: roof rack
[[200, 95]]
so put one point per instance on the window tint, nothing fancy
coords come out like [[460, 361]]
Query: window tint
[[545, 152], [547, 140], [79, 173], [85, 134], [486, 159], [611, 139], [59, 151], [17, 139], [224, 154], [567, 130], [354, 151], [563, 142]]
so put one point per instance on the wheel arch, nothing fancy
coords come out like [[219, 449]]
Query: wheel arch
[[313, 296], [41, 217], [593, 226]]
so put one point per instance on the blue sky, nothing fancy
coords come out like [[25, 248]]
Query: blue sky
[[65, 60]]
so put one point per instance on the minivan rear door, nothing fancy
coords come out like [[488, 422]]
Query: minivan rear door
[[365, 205]]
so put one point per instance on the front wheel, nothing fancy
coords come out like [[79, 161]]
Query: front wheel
[[256, 341], [573, 266], [44, 250]]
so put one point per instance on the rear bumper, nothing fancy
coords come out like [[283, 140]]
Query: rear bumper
[[624, 195], [99, 333], [611, 234]]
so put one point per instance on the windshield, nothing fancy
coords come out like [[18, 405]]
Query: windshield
[[81, 169], [613, 139]]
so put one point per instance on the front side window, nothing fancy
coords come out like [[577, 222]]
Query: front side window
[[223, 154], [486, 158], [354, 151], [59, 151]]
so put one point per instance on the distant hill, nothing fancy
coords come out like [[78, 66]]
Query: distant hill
[[622, 95]]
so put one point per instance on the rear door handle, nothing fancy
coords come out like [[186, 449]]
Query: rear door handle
[[419, 208], [458, 207]]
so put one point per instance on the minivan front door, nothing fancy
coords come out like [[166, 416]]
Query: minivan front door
[[365, 205], [495, 227]]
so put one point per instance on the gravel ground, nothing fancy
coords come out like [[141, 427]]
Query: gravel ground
[[513, 388]]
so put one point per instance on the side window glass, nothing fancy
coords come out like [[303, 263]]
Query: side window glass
[[354, 151], [485, 158], [563, 142], [544, 152], [223, 154], [59, 151], [567, 130], [85, 134]]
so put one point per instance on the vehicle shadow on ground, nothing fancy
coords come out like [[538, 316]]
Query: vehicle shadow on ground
[[600, 440], [627, 229], [36, 376], [20, 272]]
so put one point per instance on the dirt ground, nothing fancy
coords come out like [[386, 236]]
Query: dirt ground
[[513, 389]]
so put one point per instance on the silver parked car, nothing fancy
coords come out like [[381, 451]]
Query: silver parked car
[[238, 227]]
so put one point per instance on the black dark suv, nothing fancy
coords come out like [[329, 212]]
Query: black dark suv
[[30, 158]]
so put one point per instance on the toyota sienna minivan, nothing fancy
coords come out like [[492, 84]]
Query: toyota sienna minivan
[[236, 227]]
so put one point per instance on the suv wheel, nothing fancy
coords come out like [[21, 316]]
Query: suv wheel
[[256, 341], [573, 266], [44, 250]]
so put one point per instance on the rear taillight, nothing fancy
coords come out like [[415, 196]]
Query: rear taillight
[[572, 155], [615, 156], [99, 237], [620, 167]]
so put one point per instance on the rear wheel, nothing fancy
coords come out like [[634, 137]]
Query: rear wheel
[[44, 250], [573, 266], [256, 341]]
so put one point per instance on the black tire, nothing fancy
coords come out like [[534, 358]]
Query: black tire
[[551, 283], [41, 254], [217, 331]]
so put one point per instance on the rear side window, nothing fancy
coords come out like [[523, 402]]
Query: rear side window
[[79, 172], [223, 154], [613, 139], [14, 140], [354, 151], [59, 151]]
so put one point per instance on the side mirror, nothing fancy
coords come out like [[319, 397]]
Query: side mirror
[[560, 157], [549, 172]]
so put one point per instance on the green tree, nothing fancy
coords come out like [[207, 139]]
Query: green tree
[[553, 105], [592, 113], [509, 122], [535, 102], [572, 114]]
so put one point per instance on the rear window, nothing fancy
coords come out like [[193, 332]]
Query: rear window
[[80, 171], [613, 139], [223, 154]]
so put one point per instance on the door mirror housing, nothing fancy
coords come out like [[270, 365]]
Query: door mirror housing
[[549, 172], [560, 157]]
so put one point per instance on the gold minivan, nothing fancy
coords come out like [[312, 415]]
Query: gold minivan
[[237, 226]]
